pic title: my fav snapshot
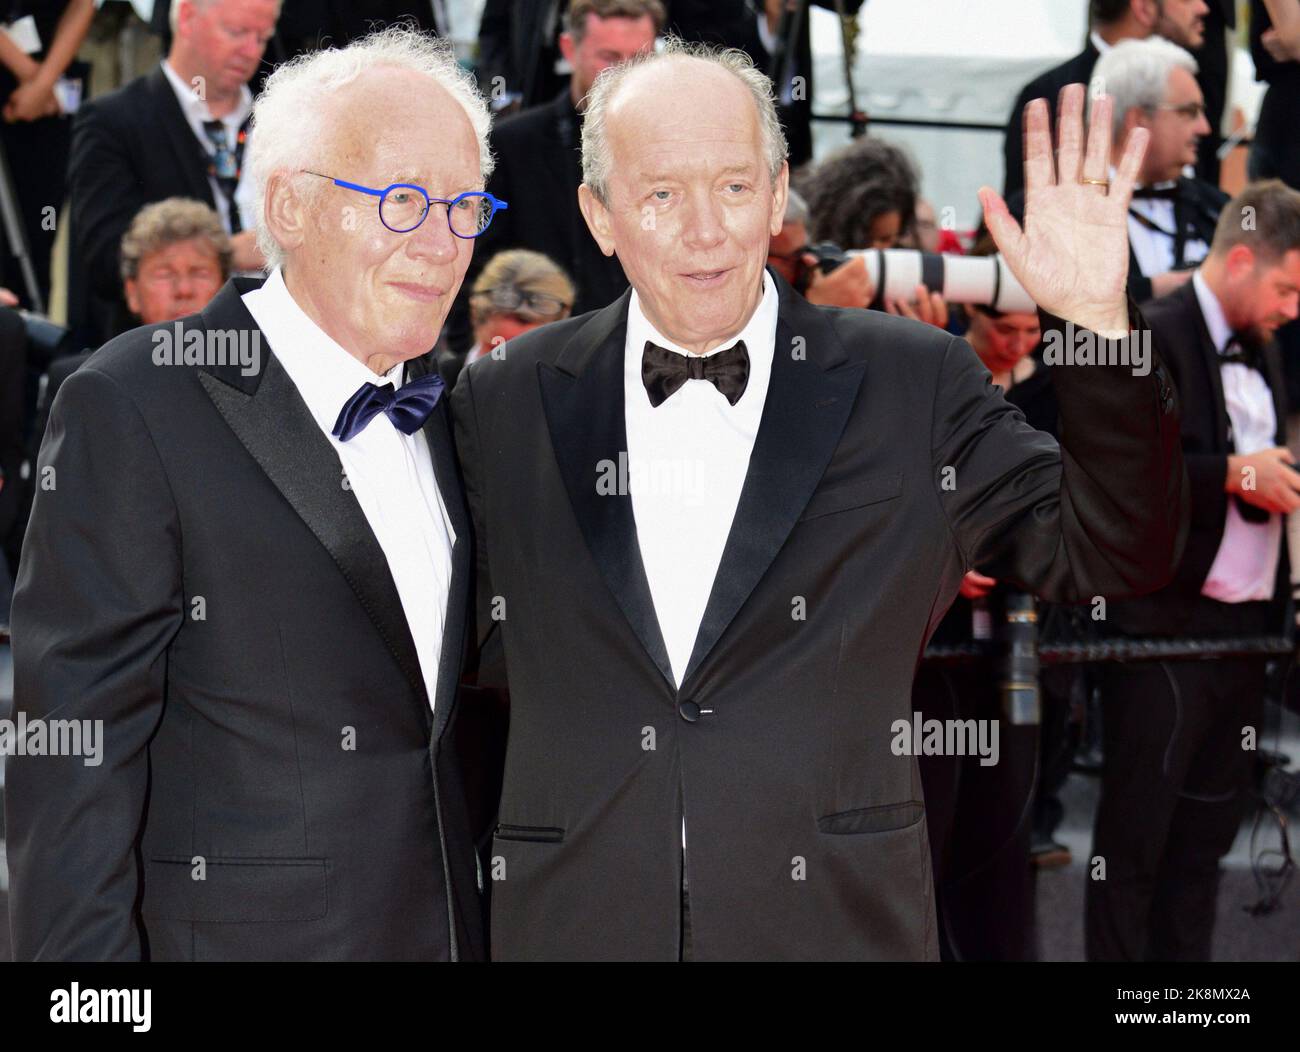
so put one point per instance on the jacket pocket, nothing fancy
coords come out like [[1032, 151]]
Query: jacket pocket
[[854, 495], [534, 834], [880, 819], [246, 890]]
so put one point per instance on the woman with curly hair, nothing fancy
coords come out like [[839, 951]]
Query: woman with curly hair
[[862, 196]]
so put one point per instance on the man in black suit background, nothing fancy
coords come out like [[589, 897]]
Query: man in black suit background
[[734, 558], [249, 558], [180, 131], [1175, 785], [1110, 21], [1173, 214], [539, 164]]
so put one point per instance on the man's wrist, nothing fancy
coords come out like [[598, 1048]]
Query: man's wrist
[[1112, 324], [1233, 480]]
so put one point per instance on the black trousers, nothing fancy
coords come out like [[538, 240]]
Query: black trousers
[[1174, 791], [979, 821]]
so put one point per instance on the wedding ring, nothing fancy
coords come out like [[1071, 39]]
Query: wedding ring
[[1096, 182]]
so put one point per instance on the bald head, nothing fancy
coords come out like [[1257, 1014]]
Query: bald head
[[687, 80]]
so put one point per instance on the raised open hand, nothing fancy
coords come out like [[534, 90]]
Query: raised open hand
[[1072, 255]]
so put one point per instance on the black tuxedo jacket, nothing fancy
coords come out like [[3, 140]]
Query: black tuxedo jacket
[[885, 465], [1077, 70], [1183, 342], [130, 148], [200, 579]]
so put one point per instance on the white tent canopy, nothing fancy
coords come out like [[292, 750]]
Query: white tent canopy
[[954, 61]]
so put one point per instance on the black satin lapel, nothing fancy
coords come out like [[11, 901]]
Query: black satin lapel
[[806, 410], [279, 431], [589, 436]]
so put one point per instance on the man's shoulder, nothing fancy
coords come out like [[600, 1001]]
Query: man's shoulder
[[1197, 189], [531, 126], [146, 362], [125, 104], [878, 338], [1048, 83], [1171, 318]]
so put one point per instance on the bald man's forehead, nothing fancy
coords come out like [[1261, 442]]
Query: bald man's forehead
[[396, 119], [704, 106]]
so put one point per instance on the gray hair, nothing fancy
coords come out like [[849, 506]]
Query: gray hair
[[1135, 73], [596, 160], [289, 131]]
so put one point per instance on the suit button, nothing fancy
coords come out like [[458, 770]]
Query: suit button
[[689, 711]]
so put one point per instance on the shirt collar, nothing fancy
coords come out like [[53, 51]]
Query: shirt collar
[[759, 333], [1101, 45], [1212, 311], [325, 374], [196, 108]]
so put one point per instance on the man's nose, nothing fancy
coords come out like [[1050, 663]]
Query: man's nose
[[704, 227], [433, 238]]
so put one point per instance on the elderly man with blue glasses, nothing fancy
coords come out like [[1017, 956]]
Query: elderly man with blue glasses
[[247, 574]]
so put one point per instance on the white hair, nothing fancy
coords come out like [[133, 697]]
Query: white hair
[[596, 159], [290, 133], [1135, 73]]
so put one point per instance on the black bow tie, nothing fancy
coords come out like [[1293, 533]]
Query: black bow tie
[[1161, 193], [664, 371], [1241, 352]]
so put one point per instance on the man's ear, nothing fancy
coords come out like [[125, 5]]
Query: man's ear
[[567, 48], [780, 195], [1240, 261], [597, 217], [131, 289], [285, 213]]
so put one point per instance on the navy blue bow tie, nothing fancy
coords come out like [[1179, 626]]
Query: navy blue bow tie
[[408, 408]]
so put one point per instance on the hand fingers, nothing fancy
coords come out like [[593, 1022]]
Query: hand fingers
[[1069, 133], [1097, 161], [1006, 232], [1284, 453], [1126, 172], [938, 310], [1040, 172]]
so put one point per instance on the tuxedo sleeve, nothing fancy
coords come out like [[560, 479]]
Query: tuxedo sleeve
[[99, 598], [490, 662], [1104, 513]]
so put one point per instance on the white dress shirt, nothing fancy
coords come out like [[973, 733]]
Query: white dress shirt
[[1245, 566], [196, 112], [390, 473], [686, 461], [1154, 249]]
